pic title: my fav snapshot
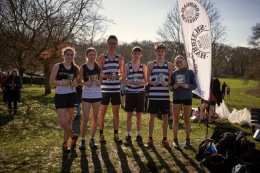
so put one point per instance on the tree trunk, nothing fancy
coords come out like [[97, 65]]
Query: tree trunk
[[47, 73], [21, 72]]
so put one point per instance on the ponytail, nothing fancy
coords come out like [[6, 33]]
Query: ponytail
[[96, 65], [75, 68]]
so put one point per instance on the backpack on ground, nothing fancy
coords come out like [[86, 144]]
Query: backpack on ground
[[206, 149], [207, 156]]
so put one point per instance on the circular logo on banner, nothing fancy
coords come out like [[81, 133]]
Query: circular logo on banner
[[190, 12], [200, 42]]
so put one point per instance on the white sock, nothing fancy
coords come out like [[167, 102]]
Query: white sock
[[128, 133], [138, 133], [83, 138]]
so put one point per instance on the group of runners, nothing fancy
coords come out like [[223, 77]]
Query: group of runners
[[100, 78]]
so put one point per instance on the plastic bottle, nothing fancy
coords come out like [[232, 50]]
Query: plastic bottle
[[213, 149]]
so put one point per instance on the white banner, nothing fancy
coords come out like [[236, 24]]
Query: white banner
[[197, 42]]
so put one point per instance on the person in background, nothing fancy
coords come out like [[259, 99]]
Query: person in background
[[3, 78], [65, 77], [13, 85], [112, 66], [123, 89], [158, 74], [90, 78], [208, 105], [78, 108], [215, 98], [182, 83], [4, 91], [228, 92], [135, 79], [224, 86], [216, 91]]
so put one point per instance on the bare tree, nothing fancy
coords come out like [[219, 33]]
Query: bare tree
[[255, 38], [171, 30], [36, 26]]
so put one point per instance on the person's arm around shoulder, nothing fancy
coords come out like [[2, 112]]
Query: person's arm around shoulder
[[149, 71]]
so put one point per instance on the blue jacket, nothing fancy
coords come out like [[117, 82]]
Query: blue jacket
[[183, 76]]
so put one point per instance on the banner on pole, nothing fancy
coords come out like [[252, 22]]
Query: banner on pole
[[197, 41]]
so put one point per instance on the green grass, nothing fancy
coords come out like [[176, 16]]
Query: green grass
[[32, 142], [238, 97]]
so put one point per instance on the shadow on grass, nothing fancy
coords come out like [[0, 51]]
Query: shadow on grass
[[96, 161], [164, 165], [178, 162], [123, 159], [84, 162], [106, 159], [67, 160], [138, 159], [6, 119], [191, 160], [151, 164]]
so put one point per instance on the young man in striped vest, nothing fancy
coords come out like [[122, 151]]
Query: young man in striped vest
[[112, 66], [159, 74], [135, 79]]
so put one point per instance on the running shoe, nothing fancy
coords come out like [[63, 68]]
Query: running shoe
[[128, 140], [175, 143], [166, 144], [139, 140], [117, 139], [65, 147], [102, 139], [82, 145], [149, 143], [92, 144]]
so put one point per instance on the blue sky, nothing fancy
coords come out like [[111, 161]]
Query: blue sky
[[138, 20]]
